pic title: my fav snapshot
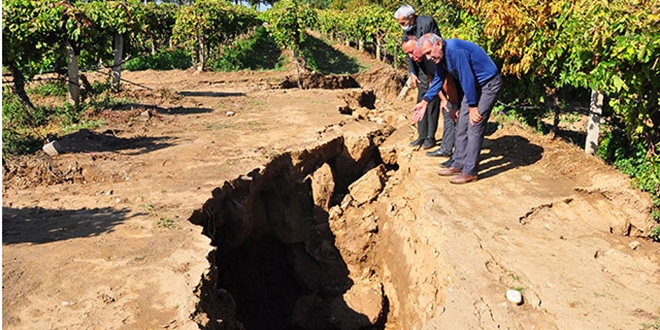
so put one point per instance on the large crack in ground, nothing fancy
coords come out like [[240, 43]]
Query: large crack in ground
[[277, 264]]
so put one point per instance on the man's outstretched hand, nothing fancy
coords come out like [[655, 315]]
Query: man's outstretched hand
[[419, 111]]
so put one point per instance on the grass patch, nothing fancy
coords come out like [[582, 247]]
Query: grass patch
[[89, 125], [150, 208], [652, 326], [50, 88], [24, 131], [166, 222]]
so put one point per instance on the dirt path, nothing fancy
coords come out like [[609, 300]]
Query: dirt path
[[114, 248]]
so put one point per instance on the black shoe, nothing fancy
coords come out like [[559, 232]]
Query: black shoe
[[428, 143], [438, 153], [448, 163], [417, 142]]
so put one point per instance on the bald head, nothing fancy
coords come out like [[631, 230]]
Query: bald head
[[411, 48]]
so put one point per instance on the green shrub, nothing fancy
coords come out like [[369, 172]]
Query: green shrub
[[163, 60], [632, 159], [655, 234], [19, 143], [257, 52], [99, 87], [22, 129]]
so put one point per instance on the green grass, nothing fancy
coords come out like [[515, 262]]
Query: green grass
[[89, 125], [166, 222], [24, 130], [162, 60], [150, 208], [50, 88], [652, 326], [257, 52], [655, 233]]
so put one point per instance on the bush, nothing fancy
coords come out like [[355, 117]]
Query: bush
[[632, 159], [655, 234], [163, 60], [24, 131], [19, 143], [257, 52]]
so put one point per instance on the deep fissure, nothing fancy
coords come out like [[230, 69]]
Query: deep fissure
[[276, 264]]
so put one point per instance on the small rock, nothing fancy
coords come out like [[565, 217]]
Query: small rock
[[117, 200], [514, 296], [52, 148], [230, 113], [634, 245], [68, 303], [107, 298]]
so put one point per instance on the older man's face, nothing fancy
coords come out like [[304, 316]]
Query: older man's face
[[410, 48], [406, 21], [433, 51]]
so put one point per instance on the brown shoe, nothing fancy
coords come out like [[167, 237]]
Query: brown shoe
[[463, 178], [449, 171]]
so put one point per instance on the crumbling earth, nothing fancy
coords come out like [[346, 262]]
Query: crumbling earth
[[231, 201]]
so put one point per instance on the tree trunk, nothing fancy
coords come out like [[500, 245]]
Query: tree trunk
[[200, 41], [378, 55], [74, 85], [19, 84], [295, 60], [116, 67], [153, 46], [593, 129]]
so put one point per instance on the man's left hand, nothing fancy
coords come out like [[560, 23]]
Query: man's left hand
[[475, 117]]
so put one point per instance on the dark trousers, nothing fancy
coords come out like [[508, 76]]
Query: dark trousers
[[428, 126], [448, 130], [468, 137]]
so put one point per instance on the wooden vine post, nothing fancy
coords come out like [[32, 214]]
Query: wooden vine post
[[593, 128], [74, 85], [116, 67]]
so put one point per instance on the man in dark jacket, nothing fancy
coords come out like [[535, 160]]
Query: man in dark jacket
[[480, 80], [417, 26]]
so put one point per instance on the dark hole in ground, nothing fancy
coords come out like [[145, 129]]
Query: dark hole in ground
[[276, 265], [319, 81]]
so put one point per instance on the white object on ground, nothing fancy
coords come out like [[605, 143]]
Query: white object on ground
[[514, 296]]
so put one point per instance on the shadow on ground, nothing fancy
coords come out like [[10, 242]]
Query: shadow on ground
[[325, 59], [506, 153], [179, 110], [209, 94], [39, 225], [89, 141]]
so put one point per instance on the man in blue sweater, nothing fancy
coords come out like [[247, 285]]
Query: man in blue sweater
[[480, 80]]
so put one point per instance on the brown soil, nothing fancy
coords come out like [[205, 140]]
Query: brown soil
[[313, 218]]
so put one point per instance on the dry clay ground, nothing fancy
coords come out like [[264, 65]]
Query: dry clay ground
[[111, 247]]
